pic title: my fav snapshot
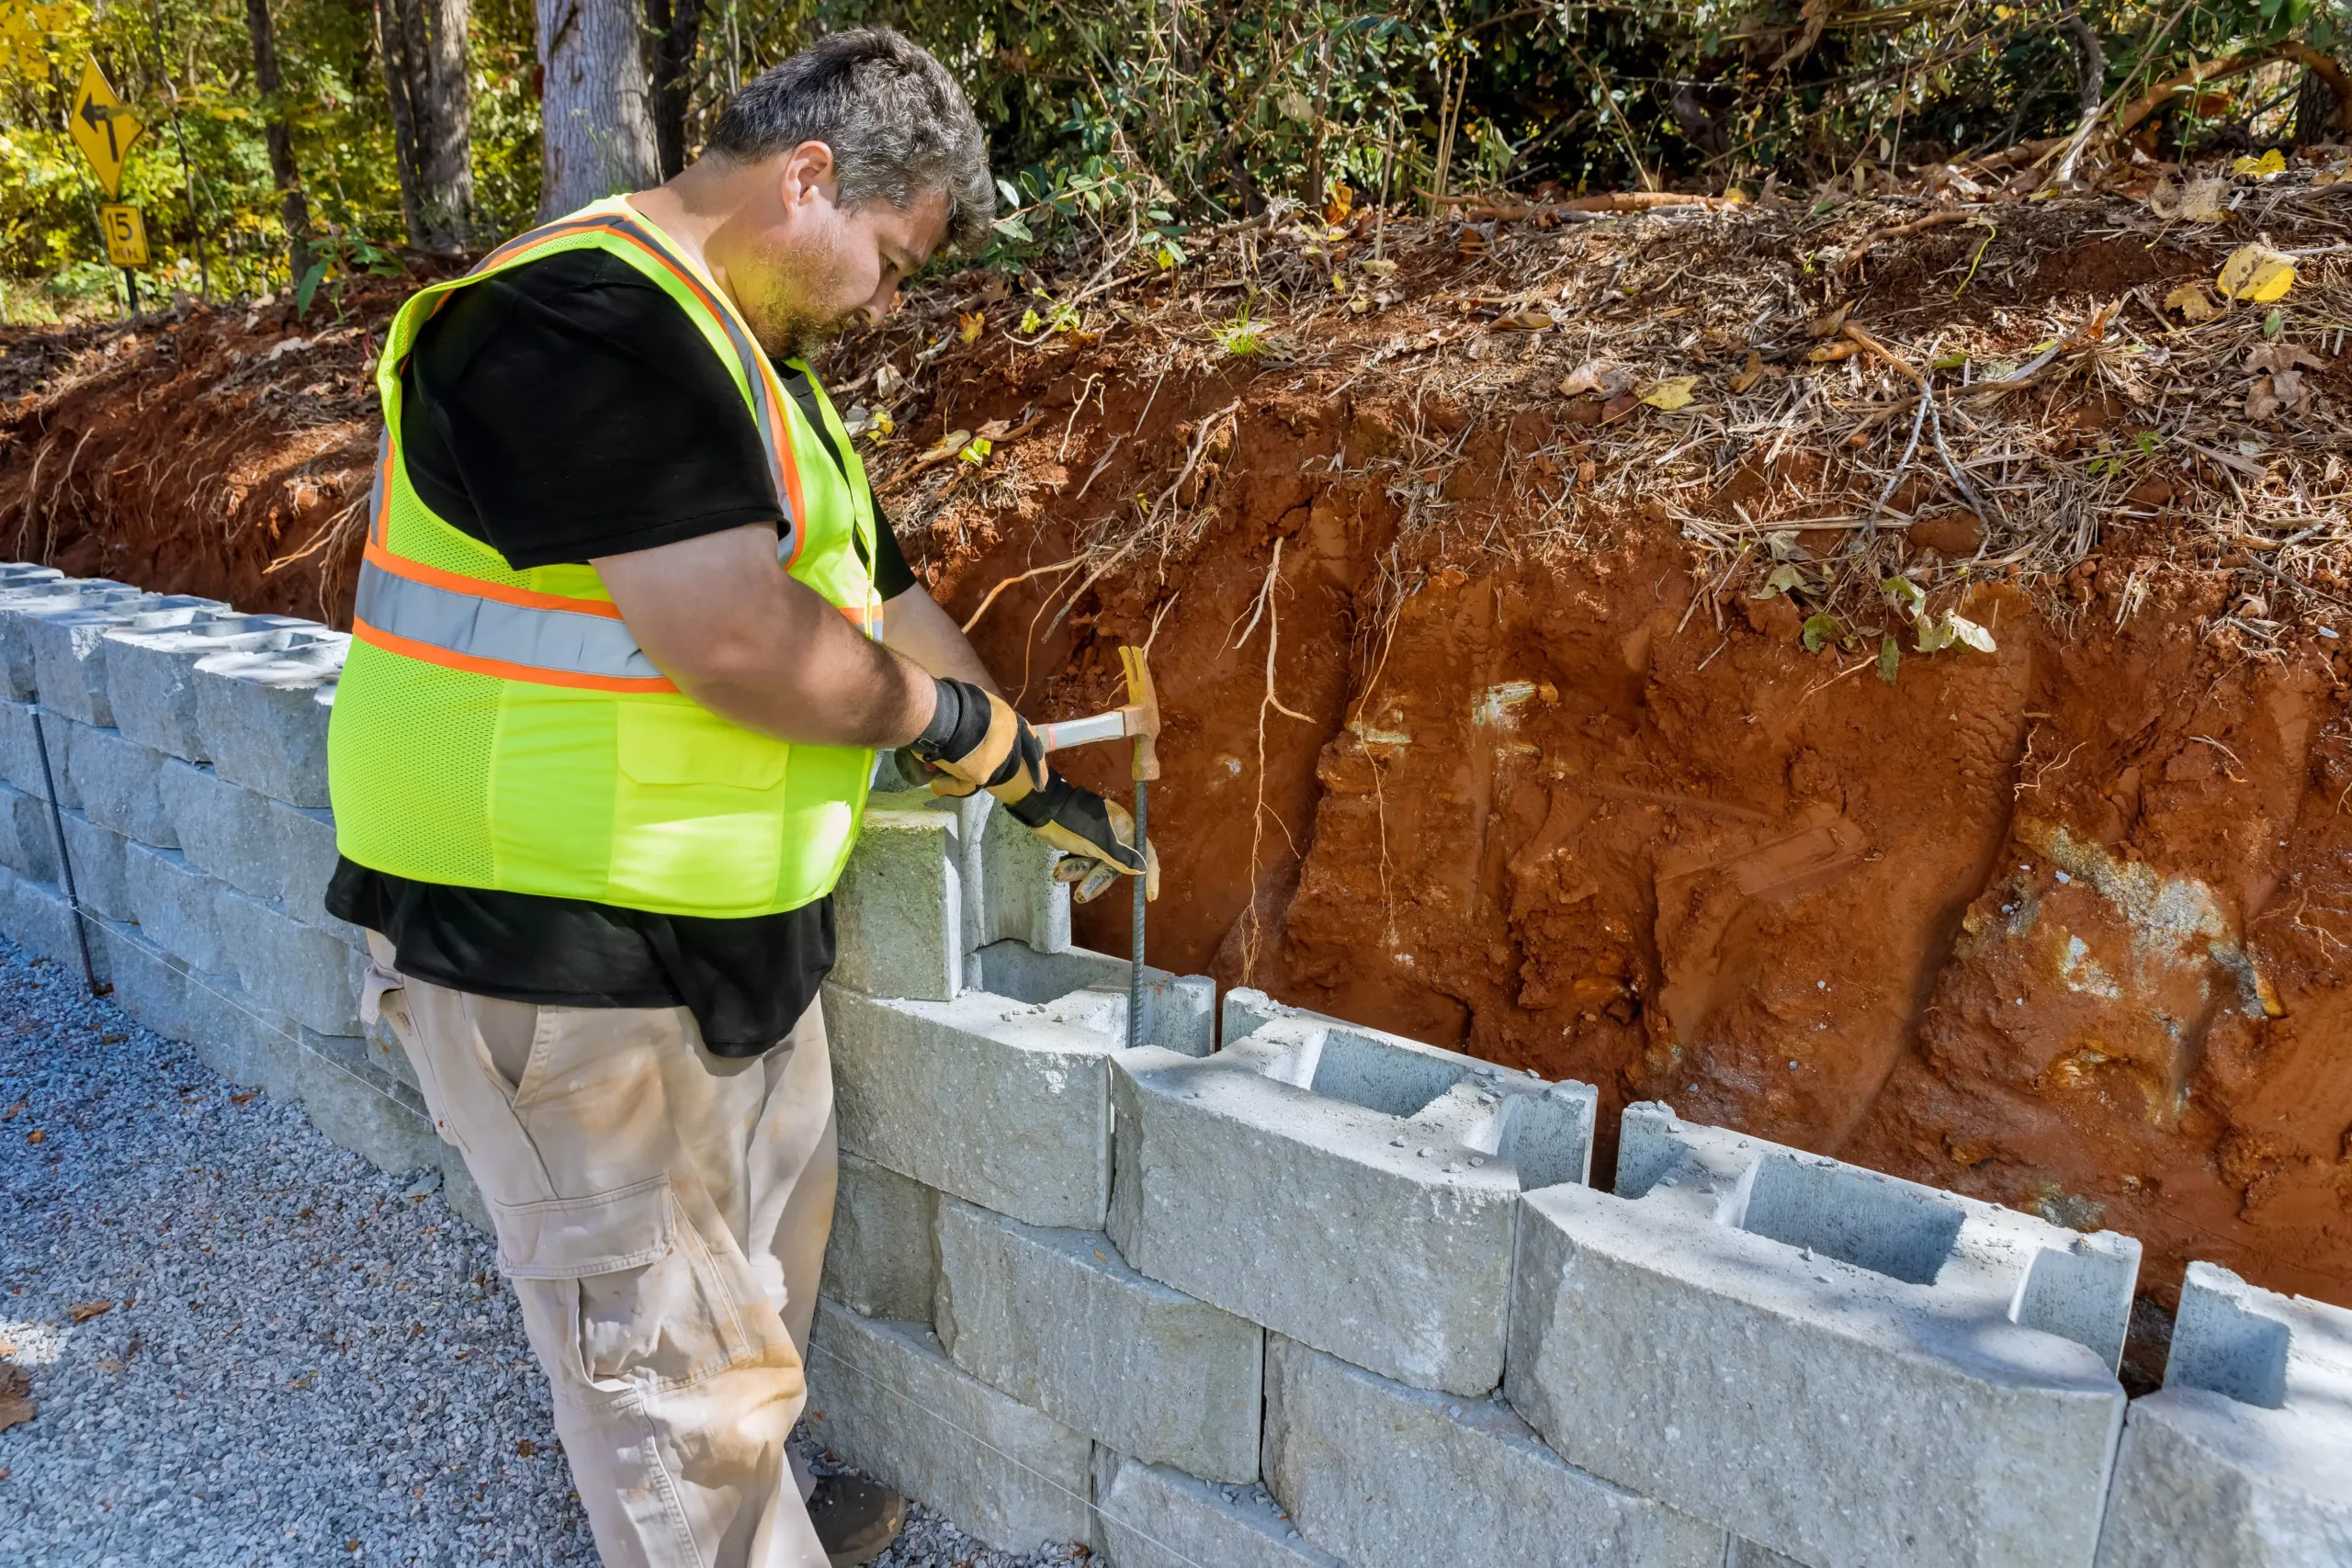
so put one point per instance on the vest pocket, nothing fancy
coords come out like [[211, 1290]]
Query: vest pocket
[[698, 815]]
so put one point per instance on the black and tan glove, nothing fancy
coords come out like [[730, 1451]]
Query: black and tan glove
[[975, 740]]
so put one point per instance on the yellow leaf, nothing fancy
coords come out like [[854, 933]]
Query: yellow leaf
[[1672, 393], [967, 327], [2256, 272], [2270, 163], [2192, 304], [977, 452]]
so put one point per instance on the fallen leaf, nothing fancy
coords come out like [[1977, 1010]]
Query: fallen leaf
[[1526, 320], [2164, 200], [947, 446], [1823, 326], [2271, 163], [284, 345], [1378, 267], [2256, 272], [968, 326], [36, 1136], [13, 1112], [2280, 389], [2192, 304], [1751, 373], [992, 431], [1829, 352], [2268, 357], [1674, 392], [1599, 378], [2205, 200], [1889, 657], [89, 1310], [241, 1098], [1820, 629], [1784, 580], [525, 1448], [17, 1406]]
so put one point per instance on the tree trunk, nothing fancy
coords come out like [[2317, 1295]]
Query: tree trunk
[[391, 42], [424, 44], [279, 139], [595, 120], [675, 27]]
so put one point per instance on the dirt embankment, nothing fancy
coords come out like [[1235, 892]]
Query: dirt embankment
[[1519, 714]]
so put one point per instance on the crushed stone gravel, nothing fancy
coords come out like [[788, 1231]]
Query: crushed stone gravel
[[247, 1346]]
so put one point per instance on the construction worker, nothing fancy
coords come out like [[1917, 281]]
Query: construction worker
[[631, 630]]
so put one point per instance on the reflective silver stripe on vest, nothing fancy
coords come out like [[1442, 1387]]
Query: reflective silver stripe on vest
[[511, 634]]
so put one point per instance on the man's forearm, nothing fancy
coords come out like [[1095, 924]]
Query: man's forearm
[[914, 624]]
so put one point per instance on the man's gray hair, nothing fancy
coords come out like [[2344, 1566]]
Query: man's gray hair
[[899, 127]]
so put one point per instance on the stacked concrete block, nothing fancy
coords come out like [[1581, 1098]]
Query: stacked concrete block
[[177, 905], [898, 911], [886, 1398], [96, 854], [1056, 1319], [240, 1037], [28, 835], [38, 915], [151, 671], [224, 830], [115, 781], [2245, 1456], [1919, 1378], [32, 752], [353, 1097], [1151, 1516], [260, 716], [1389, 1476], [1387, 1169], [68, 652], [22, 604], [883, 1259], [311, 976]]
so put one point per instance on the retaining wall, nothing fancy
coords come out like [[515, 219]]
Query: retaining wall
[[1270, 1290]]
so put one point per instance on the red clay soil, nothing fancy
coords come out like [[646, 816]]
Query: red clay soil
[[2062, 925]]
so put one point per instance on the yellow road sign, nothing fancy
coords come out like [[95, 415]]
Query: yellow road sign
[[126, 232], [102, 128]]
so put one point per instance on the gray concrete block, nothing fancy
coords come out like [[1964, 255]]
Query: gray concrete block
[[1388, 1169], [310, 974], [150, 672], [898, 911], [114, 781], [350, 1099], [1839, 1366], [464, 1198], [883, 1397], [95, 856], [28, 835], [1178, 1010], [149, 984], [981, 1097], [68, 652], [23, 733], [225, 829], [1056, 1319], [306, 863], [22, 604], [241, 1038], [883, 1259], [2245, 1456], [260, 716], [1393, 1477], [1739, 1553], [1149, 1516], [175, 905], [43, 923], [1016, 898]]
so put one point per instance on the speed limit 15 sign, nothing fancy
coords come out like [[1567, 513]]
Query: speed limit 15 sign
[[125, 234]]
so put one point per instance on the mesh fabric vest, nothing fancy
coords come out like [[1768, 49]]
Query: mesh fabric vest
[[502, 730]]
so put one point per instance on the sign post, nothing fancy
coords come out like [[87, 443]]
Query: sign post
[[104, 131], [125, 228]]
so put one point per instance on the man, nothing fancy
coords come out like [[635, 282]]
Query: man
[[630, 631]]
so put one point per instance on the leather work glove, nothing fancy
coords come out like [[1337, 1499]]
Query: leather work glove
[[975, 740]]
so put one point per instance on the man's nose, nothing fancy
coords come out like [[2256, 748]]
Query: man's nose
[[885, 300]]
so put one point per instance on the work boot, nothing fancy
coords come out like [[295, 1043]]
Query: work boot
[[856, 1519]]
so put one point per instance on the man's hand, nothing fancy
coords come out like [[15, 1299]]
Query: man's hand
[[720, 617], [977, 740]]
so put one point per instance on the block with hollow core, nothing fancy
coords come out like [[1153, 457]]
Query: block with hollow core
[[151, 671], [176, 905], [260, 716], [115, 781], [1389, 1476], [883, 1397], [23, 604], [68, 652], [1151, 1516], [1390, 1171], [223, 828], [2245, 1456], [310, 974], [1016, 898], [1056, 1319], [898, 911], [95, 853], [882, 1260], [983, 1097], [1841, 1367], [1090, 988], [28, 836], [22, 734]]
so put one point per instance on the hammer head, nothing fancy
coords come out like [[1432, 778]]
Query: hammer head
[[1142, 712]]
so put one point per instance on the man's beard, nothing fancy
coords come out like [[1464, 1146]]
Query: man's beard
[[788, 333]]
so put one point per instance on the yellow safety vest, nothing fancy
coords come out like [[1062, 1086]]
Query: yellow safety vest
[[502, 730]]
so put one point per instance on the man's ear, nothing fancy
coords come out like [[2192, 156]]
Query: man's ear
[[808, 171]]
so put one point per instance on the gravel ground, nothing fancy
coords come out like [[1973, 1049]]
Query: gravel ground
[[248, 1347]]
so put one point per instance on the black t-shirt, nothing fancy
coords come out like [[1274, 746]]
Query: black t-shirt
[[565, 409]]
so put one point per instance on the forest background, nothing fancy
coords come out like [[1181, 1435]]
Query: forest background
[[292, 143]]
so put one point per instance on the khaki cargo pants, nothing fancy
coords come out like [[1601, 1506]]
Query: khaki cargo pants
[[661, 1212]]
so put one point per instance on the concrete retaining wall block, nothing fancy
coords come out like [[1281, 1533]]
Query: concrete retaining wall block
[[883, 1259], [1056, 1319], [149, 984], [1386, 1167], [1090, 988], [23, 604], [1395, 1477], [95, 854], [1018, 900], [151, 673], [28, 837], [175, 905], [240, 1037], [306, 863], [36, 915], [2245, 1456], [224, 830], [114, 780], [20, 743], [981, 1097], [1842, 1366], [899, 909], [884, 1398], [310, 974], [1149, 1516], [69, 653], [361, 1107], [262, 717]]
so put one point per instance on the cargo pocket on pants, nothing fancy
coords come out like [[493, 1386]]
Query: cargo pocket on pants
[[647, 1305]]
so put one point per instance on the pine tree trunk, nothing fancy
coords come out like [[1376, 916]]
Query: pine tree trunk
[[596, 126], [391, 42], [279, 139], [676, 29], [444, 121]]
